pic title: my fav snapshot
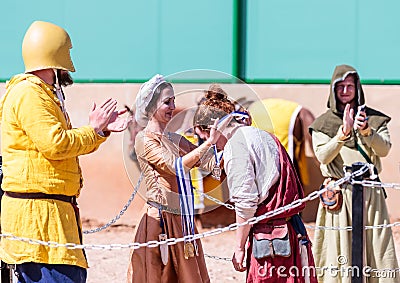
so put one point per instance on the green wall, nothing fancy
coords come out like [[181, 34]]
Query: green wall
[[287, 41], [126, 40], [304, 40]]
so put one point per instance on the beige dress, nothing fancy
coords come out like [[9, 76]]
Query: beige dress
[[156, 155], [332, 248]]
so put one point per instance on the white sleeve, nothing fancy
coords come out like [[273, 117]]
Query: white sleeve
[[239, 167]]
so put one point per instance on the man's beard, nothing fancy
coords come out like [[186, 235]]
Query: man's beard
[[64, 78]]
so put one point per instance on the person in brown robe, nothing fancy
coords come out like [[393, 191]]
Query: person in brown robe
[[157, 152]]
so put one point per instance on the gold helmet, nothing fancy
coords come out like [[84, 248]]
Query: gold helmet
[[46, 46]]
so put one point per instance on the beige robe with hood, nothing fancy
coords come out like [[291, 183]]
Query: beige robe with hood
[[332, 248]]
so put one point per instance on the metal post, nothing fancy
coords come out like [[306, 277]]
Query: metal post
[[357, 241]]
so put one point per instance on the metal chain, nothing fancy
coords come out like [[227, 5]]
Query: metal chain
[[364, 183], [380, 226], [347, 228], [368, 183], [173, 241], [232, 207], [227, 205], [231, 227], [218, 258], [112, 221]]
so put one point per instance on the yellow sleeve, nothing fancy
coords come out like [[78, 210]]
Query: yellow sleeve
[[43, 122]]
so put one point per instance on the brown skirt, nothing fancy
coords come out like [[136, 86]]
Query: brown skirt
[[146, 265]]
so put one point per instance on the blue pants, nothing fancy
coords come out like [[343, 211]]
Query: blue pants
[[58, 273]]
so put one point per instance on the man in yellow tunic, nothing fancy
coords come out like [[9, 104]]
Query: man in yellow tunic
[[40, 150]]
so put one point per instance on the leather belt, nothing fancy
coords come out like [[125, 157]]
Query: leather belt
[[64, 198], [272, 222], [163, 207]]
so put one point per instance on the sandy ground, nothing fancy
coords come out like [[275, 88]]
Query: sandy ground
[[111, 265]]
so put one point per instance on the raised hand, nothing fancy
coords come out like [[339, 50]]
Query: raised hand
[[217, 128], [360, 121], [99, 116], [117, 123], [348, 119]]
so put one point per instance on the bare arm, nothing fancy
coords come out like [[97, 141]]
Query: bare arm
[[242, 234]]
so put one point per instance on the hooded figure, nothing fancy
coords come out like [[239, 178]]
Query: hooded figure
[[330, 124], [346, 133]]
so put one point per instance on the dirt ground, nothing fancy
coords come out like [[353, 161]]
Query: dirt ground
[[111, 265]]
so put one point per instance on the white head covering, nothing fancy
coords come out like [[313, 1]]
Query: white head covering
[[144, 97]]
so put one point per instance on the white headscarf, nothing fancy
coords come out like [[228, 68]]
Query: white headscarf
[[144, 97]]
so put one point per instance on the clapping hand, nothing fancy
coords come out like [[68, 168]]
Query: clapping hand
[[348, 120], [99, 116], [360, 121], [117, 123]]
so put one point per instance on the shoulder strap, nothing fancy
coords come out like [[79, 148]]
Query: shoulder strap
[[369, 161], [363, 153]]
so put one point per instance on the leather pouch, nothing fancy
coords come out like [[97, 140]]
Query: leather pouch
[[271, 240], [332, 199]]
